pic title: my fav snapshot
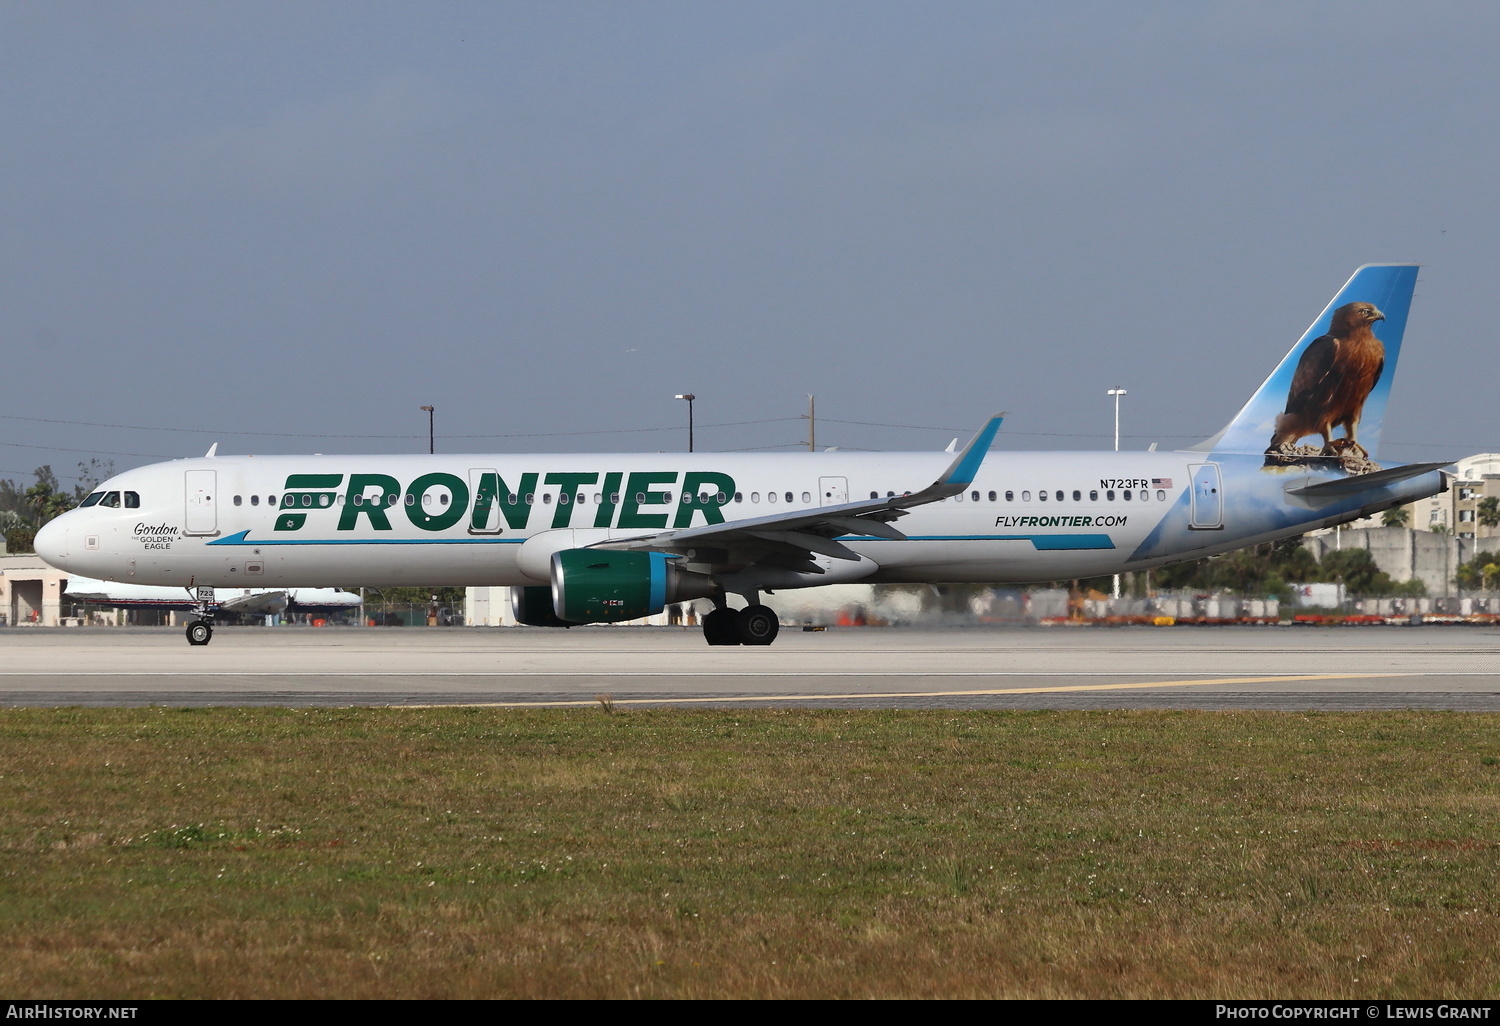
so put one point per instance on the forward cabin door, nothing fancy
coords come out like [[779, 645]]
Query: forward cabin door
[[201, 515], [483, 486], [833, 491], [1208, 498]]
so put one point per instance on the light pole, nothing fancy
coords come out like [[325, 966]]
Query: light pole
[[1117, 392], [689, 397], [430, 450]]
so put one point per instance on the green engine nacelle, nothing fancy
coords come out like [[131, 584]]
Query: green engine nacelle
[[600, 586], [533, 607]]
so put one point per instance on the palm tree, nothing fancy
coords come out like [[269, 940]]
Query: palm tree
[[1489, 511], [1396, 516]]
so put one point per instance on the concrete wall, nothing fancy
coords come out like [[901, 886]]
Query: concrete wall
[[1405, 553]]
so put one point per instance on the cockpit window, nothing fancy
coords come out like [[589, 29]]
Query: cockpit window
[[132, 500], [111, 499], [91, 500]]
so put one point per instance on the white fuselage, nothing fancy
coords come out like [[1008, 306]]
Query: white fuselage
[[324, 521]]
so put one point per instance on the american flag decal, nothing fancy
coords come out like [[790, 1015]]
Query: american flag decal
[[1161, 482]]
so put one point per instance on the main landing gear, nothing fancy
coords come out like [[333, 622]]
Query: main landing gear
[[753, 625], [201, 630]]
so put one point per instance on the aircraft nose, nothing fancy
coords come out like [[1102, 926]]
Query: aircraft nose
[[51, 543]]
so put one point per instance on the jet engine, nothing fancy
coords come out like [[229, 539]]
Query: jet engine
[[603, 586]]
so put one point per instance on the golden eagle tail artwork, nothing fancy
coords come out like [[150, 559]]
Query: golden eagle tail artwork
[[1323, 405]]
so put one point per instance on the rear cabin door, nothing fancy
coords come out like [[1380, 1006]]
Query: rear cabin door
[[201, 515], [1208, 498], [833, 491]]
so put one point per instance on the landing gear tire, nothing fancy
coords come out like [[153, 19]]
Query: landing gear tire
[[199, 633], [757, 625], [720, 627]]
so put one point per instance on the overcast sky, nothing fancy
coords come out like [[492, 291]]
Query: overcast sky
[[285, 227]]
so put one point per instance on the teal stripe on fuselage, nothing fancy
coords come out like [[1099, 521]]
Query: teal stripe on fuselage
[[1041, 542]]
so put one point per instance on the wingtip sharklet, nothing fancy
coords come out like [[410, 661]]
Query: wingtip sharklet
[[963, 468]]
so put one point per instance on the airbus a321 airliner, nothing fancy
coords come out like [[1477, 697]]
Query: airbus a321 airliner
[[611, 537]]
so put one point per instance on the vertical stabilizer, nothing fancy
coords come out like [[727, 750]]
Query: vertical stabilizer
[[1327, 397]]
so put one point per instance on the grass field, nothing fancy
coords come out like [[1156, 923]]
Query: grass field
[[491, 853]]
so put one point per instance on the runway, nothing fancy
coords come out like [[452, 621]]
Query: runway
[[1289, 668]]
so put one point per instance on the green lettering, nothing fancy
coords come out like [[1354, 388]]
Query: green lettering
[[519, 512], [373, 506], [693, 484], [447, 516], [640, 485], [570, 483]]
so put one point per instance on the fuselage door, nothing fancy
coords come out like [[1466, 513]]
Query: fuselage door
[[833, 491], [1208, 498], [483, 488], [201, 515]]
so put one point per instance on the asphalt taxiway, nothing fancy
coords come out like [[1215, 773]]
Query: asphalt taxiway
[[1328, 668]]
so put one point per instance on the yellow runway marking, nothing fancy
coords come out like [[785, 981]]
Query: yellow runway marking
[[979, 693]]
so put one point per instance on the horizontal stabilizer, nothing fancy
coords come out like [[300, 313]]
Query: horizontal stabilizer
[[1341, 486]]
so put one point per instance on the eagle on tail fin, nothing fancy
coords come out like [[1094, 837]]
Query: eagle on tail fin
[[1335, 376]]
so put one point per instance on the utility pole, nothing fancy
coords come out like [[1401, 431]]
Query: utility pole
[[1117, 392], [812, 423], [689, 397], [430, 449]]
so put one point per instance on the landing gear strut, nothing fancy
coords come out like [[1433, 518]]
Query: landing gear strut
[[201, 630], [753, 625]]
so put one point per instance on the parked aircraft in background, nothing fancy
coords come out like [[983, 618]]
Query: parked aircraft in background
[[611, 537], [240, 601]]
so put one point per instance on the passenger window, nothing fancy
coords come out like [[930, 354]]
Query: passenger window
[[755, 496], [975, 496], [307, 499], [890, 495], [1161, 496], [238, 499], [874, 495], [359, 499], [667, 498], [992, 496], [427, 499], [531, 498], [1025, 496], [806, 497], [598, 498], [1125, 495], [1109, 496], [1042, 496], [270, 500], [739, 496], [640, 498], [1077, 495], [1059, 495], [92, 500], [719, 497], [1010, 496], [614, 498], [770, 496], [443, 499], [112, 500], [1094, 495], [957, 498], [546, 499], [512, 499]]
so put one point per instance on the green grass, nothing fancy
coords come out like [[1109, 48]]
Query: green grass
[[479, 853]]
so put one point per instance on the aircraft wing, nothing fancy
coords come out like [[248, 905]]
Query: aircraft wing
[[792, 538], [256, 603]]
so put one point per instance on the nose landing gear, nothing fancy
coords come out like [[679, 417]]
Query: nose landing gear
[[201, 630]]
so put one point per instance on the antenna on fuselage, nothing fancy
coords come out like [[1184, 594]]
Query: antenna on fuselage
[[213, 450]]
